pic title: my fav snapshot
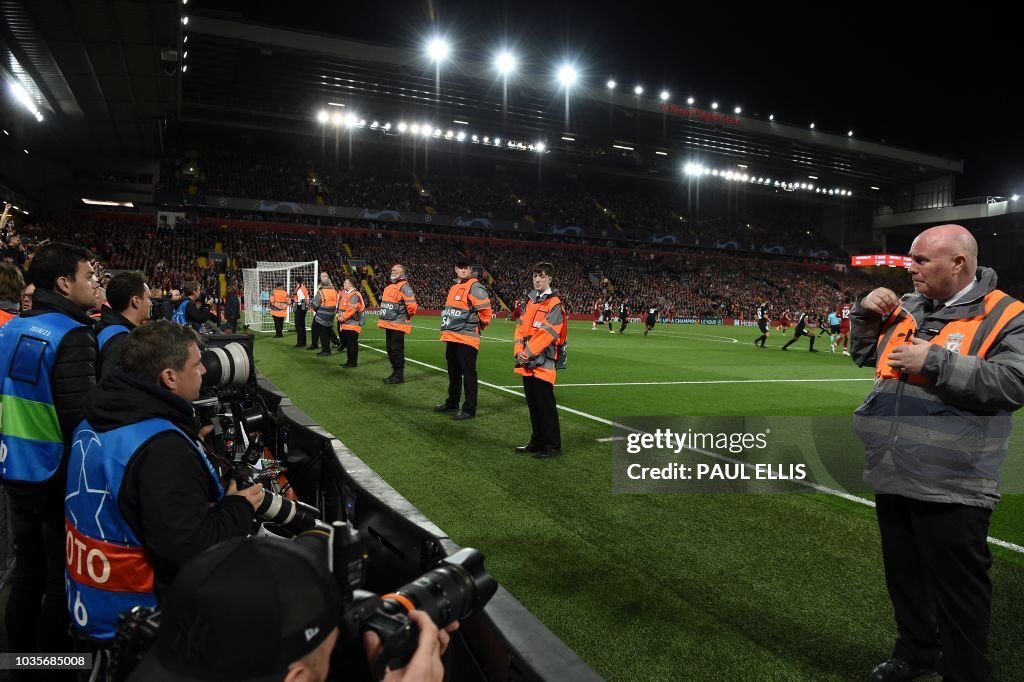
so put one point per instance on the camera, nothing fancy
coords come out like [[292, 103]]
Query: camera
[[229, 402], [453, 590]]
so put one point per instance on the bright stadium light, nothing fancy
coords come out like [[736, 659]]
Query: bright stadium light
[[505, 62], [402, 127], [26, 100], [771, 117], [567, 75], [714, 105], [425, 130], [461, 136], [1013, 198], [414, 128], [611, 84], [487, 140], [664, 95], [184, 21], [638, 90], [437, 132], [540, 147], [737, 110], [812, 126], [322, 117], [497, 141], [437, 49], [336, 119], [476, 138], [351, 120], [689, 100]]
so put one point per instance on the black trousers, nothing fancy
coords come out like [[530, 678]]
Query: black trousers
[[278, 326], [37, 613], [300, 326], [461, 372], [396, 348], [350, 342], [936, 568], [540, 398], [322, 334]]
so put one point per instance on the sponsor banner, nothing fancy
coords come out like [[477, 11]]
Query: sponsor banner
[[739, 323]]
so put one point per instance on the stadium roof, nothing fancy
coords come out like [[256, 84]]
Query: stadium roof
[[109, 71]]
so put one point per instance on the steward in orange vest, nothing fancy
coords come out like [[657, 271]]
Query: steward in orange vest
[[539, 350], [325, 303], [279, 308], [301, 301], [397, 307], [949, 372], [350, 319], [466, 313]]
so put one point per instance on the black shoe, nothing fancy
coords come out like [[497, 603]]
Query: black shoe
[[462, 416], [300, 345], [546, 453], [278, 336], [530, 447], [313, 348], [445, 407], [812, 350], [784, 348], [394, 379], [348, 366], [324, 354], [895, 670]]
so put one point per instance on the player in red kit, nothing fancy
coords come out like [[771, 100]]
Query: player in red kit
[[843, 312]]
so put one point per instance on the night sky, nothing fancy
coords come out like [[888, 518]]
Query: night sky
[[933, 78]]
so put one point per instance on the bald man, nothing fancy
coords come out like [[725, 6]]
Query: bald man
[[949, 371]]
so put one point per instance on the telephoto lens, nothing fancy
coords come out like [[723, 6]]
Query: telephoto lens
[[457, 588], [296, 516]]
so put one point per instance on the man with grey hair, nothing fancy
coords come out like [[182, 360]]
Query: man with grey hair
[[949, 372]]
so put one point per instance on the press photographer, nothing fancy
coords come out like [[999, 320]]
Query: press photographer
[[141, 491], [193, 310], [232, 598]]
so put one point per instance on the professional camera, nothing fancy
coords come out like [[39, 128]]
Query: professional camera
[[229, 402], [453, 590], [458, 587]]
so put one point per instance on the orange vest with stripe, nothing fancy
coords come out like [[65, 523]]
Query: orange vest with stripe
[[395, 305], [529, 333], [959, 336], [350, 311], [279, 303], [464, 315], [6, 317]]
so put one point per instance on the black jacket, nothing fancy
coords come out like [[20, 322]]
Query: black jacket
[[232, 307], [196, 314], [110, 356], [72, 376], [166, 492]]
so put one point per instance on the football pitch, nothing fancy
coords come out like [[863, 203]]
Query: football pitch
[[644, 586]]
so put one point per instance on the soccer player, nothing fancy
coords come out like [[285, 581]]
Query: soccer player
[[652, 318], [763, 324], [844, 324], [801, 330]]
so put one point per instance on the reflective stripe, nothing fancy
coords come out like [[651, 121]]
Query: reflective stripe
[[30, 420], [1012, 310]]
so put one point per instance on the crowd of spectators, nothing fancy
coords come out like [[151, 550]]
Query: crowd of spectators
[[526, 194], [689, 284]]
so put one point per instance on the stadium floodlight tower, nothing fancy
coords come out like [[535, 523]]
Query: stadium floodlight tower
[[567, 77], [505, 62], [438, 50]]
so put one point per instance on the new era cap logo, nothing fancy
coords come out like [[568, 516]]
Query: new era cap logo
[[311, 633]]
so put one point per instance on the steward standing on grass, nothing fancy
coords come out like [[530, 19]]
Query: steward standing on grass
[[397, 307], [949, 372], [467, 311], [350, 320], [539, 349]]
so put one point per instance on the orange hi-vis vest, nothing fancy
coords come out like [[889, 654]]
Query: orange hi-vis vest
[[540, 332], [466, 312], [304, 301], [279, 303], [968, 336], [350, 311], [397, 307], [6, 317]]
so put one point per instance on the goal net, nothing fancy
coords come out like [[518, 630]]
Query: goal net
[[259, 283]]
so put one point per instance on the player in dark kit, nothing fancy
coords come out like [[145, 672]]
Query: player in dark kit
[[763, 324], [623, 316], [606, 314], [801, 330], [652, 318]]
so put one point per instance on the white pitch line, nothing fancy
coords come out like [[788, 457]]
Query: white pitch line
[[601, 420], [717, 381], [711, 338]]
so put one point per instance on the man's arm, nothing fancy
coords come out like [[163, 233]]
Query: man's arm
[[111, 355], [410, 300], [866, 320], [74, 375], [993, 383], [166, 498], [197, 315], [481, 301]]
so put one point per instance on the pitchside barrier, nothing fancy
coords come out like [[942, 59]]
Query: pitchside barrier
[[502, 642]]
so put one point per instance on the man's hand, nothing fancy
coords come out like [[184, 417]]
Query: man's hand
[[909, 357], [523, 357], [425, 664], [881, 301], [254, 494]]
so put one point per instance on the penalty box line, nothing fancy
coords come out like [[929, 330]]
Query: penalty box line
[[714, 455]]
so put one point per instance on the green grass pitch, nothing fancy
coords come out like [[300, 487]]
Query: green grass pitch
[[643, 587]]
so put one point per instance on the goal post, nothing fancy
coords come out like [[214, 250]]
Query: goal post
[[259, 282]]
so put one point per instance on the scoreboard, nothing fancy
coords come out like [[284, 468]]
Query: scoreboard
[[880, 259]]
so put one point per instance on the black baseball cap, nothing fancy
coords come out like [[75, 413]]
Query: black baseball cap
[[243, 610], [462, 263]]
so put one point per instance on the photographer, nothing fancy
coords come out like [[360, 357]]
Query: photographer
[[138, 445], [190, 311], [130, 306], [232, 597]]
